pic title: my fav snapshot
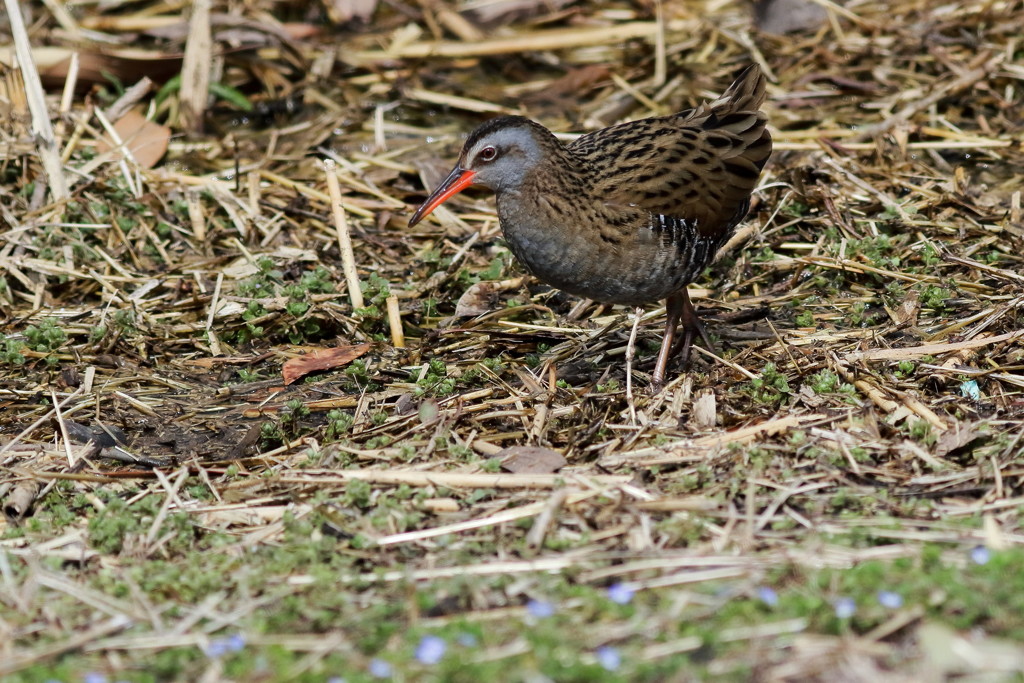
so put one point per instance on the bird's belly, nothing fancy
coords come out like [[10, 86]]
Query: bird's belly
[[633, 273]]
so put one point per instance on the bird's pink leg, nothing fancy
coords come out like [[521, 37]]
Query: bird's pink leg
[[692, 326], [674, 307], [680, 312]]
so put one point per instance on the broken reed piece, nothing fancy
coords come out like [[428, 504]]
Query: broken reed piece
[[46, 143], [348, 259], [395, 322]]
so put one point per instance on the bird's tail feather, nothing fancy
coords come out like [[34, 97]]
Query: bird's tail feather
[[747, 93]]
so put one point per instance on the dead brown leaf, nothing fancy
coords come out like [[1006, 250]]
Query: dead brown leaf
[[321, 359], [482, 297], [704, 410], [530, 460], [788, 16], [147, 141], [344, 11], [958, 436], [476, 300], [906, 312]]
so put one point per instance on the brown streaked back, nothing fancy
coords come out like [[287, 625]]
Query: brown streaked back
[[699, 165]]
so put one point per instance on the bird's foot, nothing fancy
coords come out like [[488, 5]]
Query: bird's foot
[[680, 314], [691, 327]]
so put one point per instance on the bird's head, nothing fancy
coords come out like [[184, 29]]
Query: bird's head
[[498, 155]]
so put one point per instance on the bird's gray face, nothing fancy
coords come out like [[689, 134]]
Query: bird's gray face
[[501, 160], [497, 157]]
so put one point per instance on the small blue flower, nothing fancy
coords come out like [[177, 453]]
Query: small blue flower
[[768, 596], [844, 607], [980, 555], [216, 648], [94, 677], [970, 390], [540, 609], [379, 668], [890, 599], [466, 639], [609, 658], [430, 650], [621, 593], [235, 642]]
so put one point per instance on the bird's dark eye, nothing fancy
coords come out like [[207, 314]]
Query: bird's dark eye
[[488, 154]]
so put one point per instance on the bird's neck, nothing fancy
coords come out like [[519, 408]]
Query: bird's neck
[[549, 219]]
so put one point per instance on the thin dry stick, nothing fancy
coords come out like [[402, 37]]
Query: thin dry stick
[[126, 153], [633, 92], [785, 347], [780, 499], [47, 143], [931, 349], [253, 185], [738, 368], [88, 379], [542, 405], [63, 430], [277, 179], [998, 272], [697, 449], [68, 96], [630, 353], [445, 479], [660, 53], [922, 411], [498, 518], [129, 99], [81, 126], [395, 322], [538, 41], [870, 390], [19, 661], [169, 499], [455, 102], [214, 303], [535, 537], [348, 259], [32, 427], [196, 216], [140, 406], [195, 67], [454, 21], [839, 9], [81, 592], [542, 564], [671, 647]]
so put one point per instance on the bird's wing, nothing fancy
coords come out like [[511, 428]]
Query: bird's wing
[[699, 166]]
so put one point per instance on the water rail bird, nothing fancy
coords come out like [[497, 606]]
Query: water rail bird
[[628, 214]]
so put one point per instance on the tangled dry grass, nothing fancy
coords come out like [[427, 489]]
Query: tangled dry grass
[[469, 435]]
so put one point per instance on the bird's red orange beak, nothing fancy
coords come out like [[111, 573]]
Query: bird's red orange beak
[[457, 181]]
